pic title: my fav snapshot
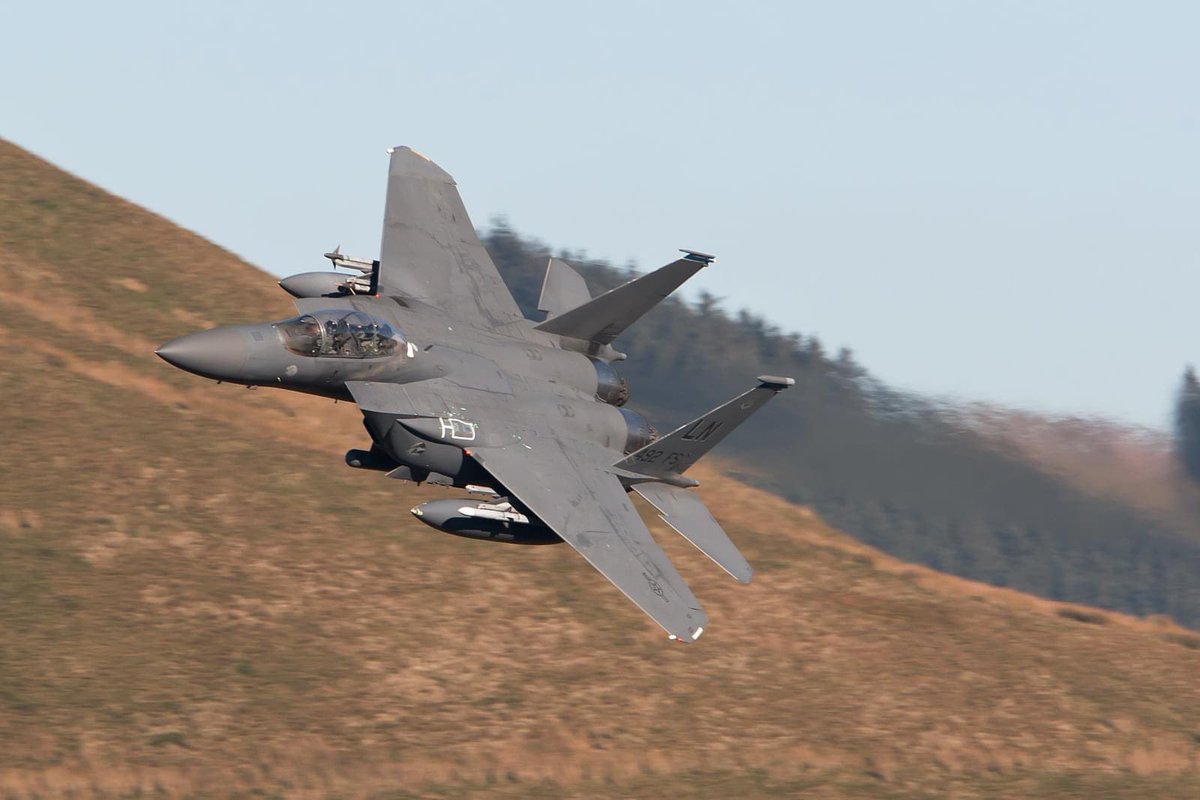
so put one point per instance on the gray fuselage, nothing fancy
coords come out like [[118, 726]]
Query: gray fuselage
[[522, 373]]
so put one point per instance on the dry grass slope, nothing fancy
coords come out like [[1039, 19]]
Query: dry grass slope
[[198, 600]]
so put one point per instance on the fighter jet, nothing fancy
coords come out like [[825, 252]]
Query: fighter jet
[[458, 389]]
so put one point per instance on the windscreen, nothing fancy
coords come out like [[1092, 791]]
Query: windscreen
[[341, 334]]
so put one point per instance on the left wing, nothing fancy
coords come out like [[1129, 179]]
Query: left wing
[[587, 506], [430, 251]]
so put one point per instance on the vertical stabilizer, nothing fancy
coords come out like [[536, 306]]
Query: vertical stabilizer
[[562, 289]]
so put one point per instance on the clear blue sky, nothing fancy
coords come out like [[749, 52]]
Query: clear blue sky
[[998, 201]]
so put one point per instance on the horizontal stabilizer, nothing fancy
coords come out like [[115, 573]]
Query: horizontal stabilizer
[[603, 318], [671, 455], [686, 513], [562, 289]]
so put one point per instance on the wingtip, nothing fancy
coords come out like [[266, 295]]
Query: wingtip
[[692, 635], [696, 255], [404, 149], [407, 161], [691, 630], [776, 382]]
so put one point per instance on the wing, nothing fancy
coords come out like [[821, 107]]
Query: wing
[[430, 251], [586, 505]]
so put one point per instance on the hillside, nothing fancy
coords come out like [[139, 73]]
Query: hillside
[[197, 599]]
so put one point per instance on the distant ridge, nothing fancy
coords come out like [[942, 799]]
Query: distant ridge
[[915, 478]]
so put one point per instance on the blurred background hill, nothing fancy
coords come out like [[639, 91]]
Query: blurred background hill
[[1072, 509], [198, 599]]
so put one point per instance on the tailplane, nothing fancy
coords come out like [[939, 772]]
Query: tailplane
[[669, 456], [601, 319], [684, 511]]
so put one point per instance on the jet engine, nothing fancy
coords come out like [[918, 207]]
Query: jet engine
[[611, 388], [493, 521], [639, 431]]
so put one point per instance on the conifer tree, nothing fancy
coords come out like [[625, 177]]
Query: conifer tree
[[1187, 424]]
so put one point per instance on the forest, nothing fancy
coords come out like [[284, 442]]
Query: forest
[[898, 471], [1187, 425]]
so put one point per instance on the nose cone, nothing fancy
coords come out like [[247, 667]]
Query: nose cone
[[219, 353]]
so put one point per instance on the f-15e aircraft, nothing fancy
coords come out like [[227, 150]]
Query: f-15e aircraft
[[458, 389]]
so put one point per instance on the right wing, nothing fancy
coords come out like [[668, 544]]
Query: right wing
[[586, 505], [430, 251]]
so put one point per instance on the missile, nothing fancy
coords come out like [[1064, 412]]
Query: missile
[[365, 265], [490, 521]]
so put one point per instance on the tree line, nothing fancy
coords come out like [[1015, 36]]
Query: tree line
[[892, 468], [1187, 425]]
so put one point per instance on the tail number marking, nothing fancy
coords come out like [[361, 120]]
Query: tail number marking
[[696, 433], [654, 456]]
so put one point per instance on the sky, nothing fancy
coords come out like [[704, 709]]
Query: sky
[[987, 201]]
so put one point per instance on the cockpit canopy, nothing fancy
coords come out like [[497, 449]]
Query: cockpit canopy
[[341, 334]]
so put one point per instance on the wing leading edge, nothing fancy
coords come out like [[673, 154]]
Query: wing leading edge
[[586, 505]]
